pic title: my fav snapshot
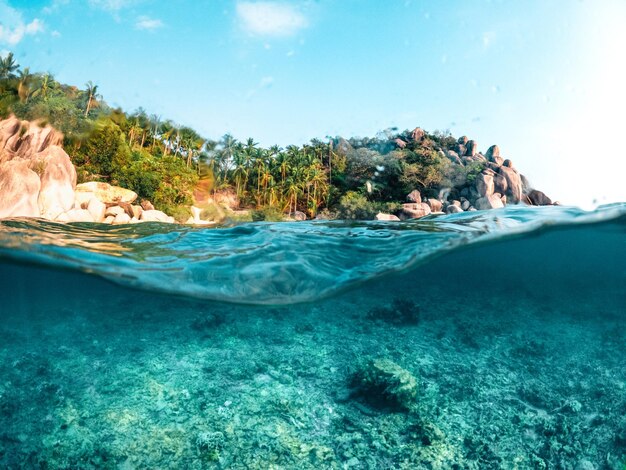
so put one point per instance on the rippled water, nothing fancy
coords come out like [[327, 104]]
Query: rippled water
[[273, 263], [247, 346]]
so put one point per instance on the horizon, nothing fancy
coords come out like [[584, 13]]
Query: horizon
[[541, 81]]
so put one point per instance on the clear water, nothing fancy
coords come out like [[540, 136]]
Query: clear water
[[158, 346]]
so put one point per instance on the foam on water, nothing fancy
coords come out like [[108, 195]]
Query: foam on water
[[270, 263]]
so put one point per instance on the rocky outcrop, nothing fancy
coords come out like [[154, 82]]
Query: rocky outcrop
[[38, 179], [19, 190]]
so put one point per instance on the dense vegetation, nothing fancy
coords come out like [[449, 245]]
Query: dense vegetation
[[163, 161]]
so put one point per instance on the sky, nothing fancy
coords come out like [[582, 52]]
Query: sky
[[543, 79]]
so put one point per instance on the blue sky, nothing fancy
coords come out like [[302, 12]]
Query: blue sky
[[542, 79]]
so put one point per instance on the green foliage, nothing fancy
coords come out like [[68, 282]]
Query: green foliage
[[268, 214], [458, 175], [165, 180], [356, 206], [105, 154]]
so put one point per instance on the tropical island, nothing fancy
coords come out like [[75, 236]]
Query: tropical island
[[62, 147]]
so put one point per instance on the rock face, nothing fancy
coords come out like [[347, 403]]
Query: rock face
[[484, 184], [23, 139], [38, 179], [57, 182], [19, 190], [514, 183]]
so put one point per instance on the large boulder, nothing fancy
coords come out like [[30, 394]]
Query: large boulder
[[493, 201], [414, 211], [453, 157], [106, 193], [58, 180], [414, 197], [156, 216], [76, 215], [471, 148], [387, 217], [97, 209], [537, 198], [435, 204], [417, 134], [19, 189], [493, 151], [499, 184], [514, 183], [484, 184]]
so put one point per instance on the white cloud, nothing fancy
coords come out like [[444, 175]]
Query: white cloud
[[146, 23], [111, 5], [488, 38], [13, 28], [264, 83], [270, 18]]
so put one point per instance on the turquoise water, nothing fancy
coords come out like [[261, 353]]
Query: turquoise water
[[479, 340]]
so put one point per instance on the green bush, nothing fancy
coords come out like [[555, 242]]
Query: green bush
[[355, 206]]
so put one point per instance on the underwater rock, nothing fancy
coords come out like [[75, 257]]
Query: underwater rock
[[384, 384]]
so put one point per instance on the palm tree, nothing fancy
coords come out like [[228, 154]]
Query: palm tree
[[8, 66], [45, 84], [92, 93], [23, 87]]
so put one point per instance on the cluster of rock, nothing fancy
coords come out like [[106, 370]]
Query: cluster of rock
[[38, 179], [498, 184], [103, 203]]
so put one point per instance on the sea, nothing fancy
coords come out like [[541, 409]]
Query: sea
[[489, 339]]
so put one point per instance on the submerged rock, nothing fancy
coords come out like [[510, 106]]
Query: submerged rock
[[384, 384]]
